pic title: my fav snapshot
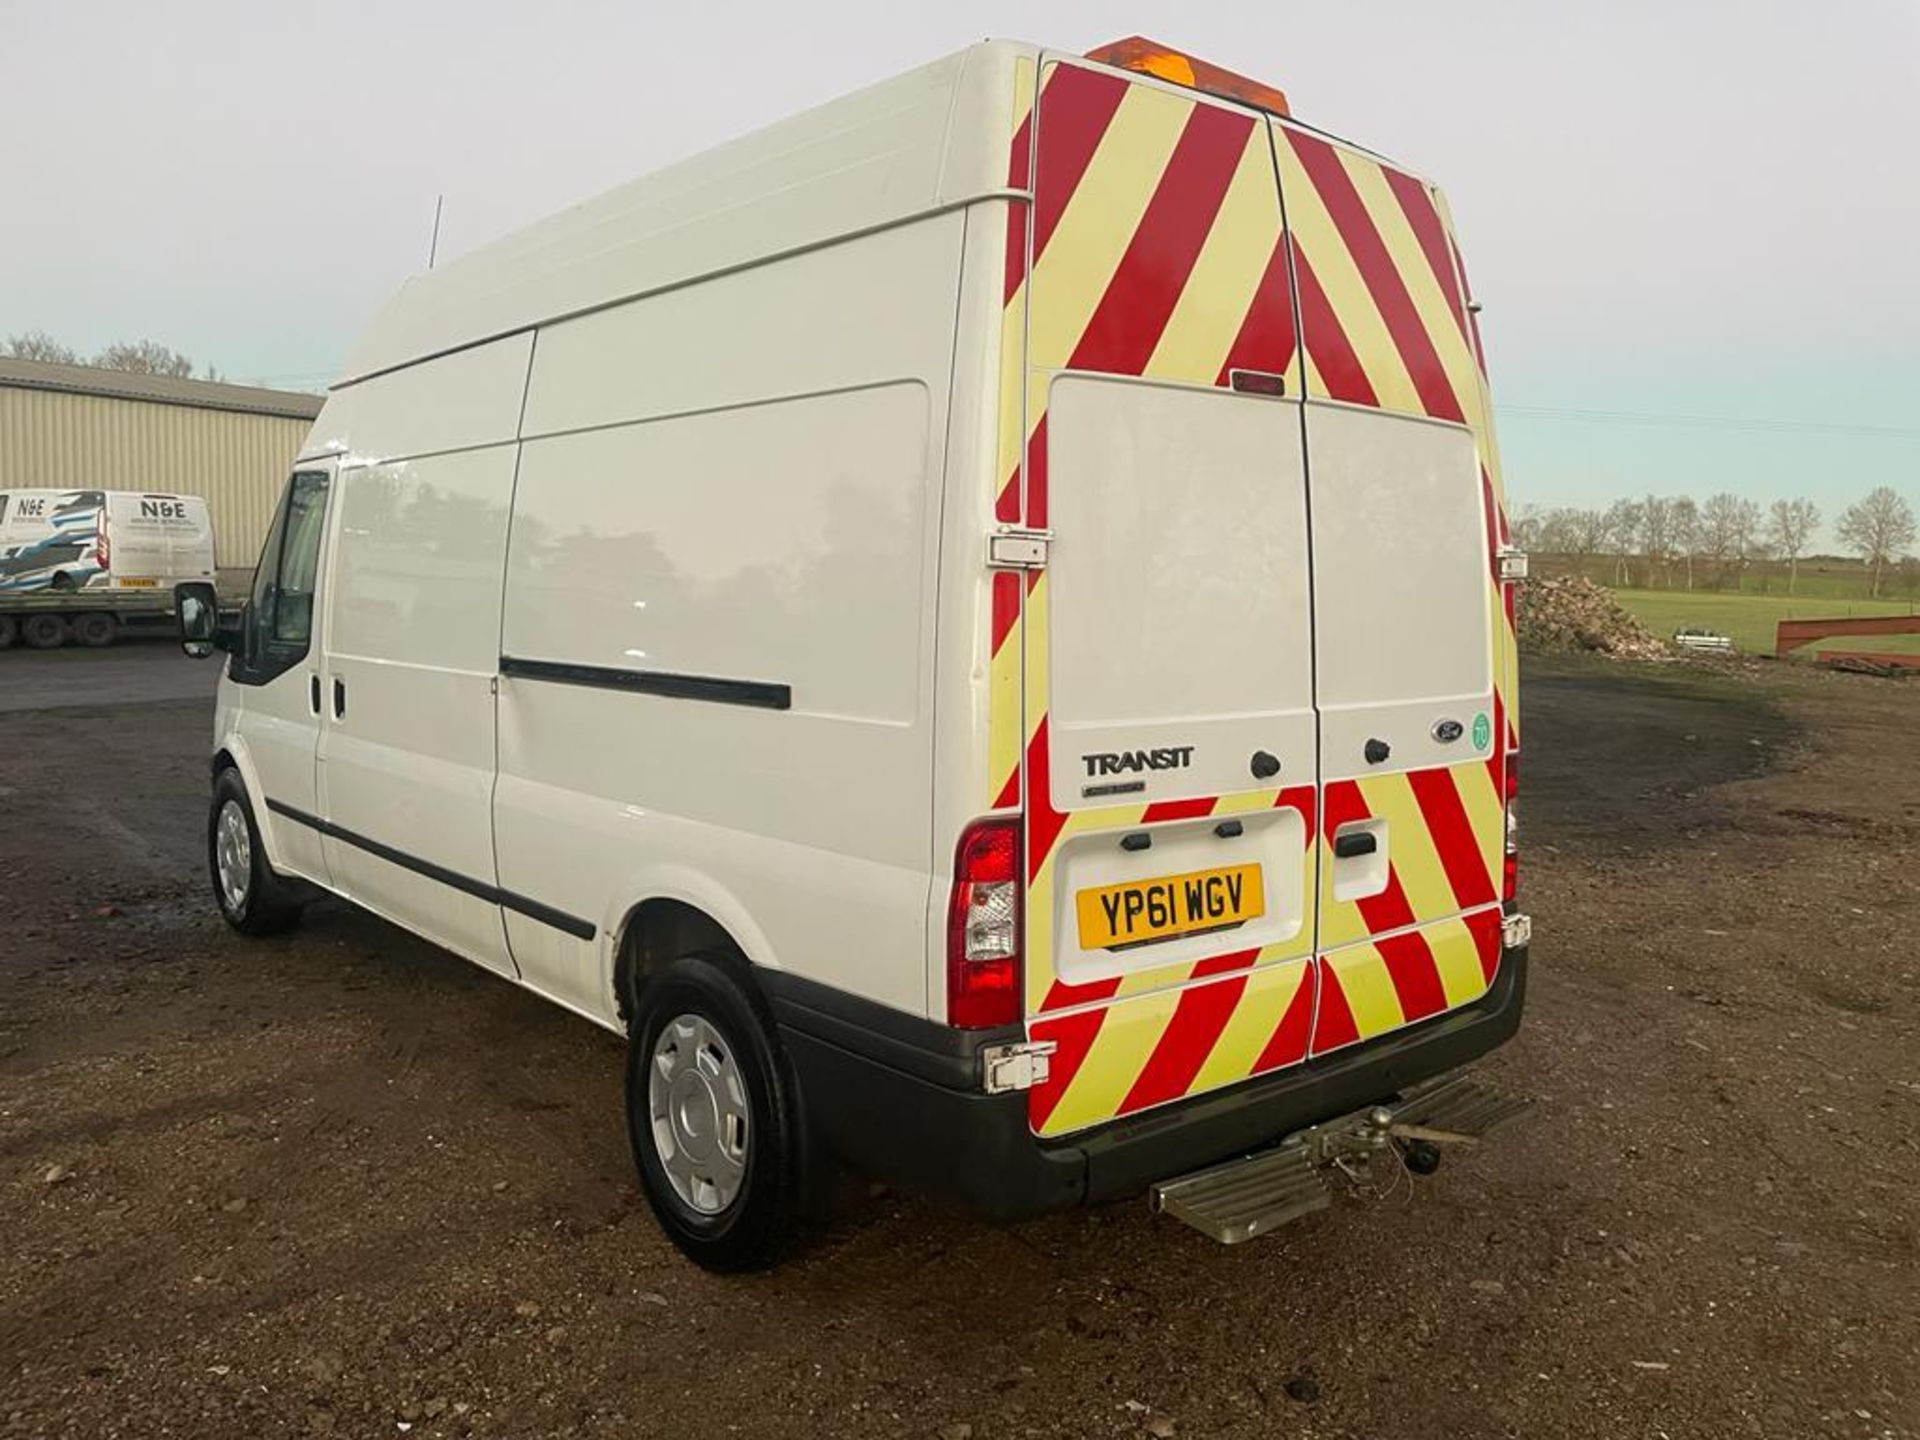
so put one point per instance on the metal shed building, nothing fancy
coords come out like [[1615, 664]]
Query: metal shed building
[[77, 427]]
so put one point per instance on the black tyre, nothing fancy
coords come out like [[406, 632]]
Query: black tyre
[[95, 628], [44, 632], [254, 900], [713, 1116], [9, 631], [64, 582]]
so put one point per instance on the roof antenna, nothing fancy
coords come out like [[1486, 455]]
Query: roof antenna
[[433, 246]]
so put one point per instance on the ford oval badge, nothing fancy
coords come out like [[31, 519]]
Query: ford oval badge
[[1448, 731]]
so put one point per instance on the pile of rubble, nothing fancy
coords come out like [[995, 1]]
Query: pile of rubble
[[1570, 612]]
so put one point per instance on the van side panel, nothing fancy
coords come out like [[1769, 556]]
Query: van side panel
[[735, 484], [1405, 529]]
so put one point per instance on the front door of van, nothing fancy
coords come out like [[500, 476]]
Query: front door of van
[[278, 674], [412, 643]]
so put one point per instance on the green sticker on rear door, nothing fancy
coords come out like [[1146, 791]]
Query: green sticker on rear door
[[1482, 731]]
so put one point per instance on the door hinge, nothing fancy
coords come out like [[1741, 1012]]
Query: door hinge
[[1012, 548], [1512, 565], [1516, 932], [1016, 1067]]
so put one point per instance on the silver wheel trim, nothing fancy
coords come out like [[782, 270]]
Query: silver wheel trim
[[697, 1106], [233, 855]]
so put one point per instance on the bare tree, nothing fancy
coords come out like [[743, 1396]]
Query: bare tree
[[1622, 537], [1880, 527], [38, 345], [1728, 524], [1586, 533], [1656, 535], [1685, 520], [1790, 525], [1525, 523], [145, 357]]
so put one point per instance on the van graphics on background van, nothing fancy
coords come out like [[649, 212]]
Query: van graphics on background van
[[47, 536]]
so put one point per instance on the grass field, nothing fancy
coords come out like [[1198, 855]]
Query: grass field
[[1750, 619]]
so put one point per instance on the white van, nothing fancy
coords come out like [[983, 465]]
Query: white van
[[65, 540], [973, 637]]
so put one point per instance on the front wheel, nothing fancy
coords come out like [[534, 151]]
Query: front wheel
[[713, 1118], [254, 900]]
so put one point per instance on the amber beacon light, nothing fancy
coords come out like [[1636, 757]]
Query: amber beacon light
[[1150, 57]]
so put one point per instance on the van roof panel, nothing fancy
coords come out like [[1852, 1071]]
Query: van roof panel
[[928, 139]]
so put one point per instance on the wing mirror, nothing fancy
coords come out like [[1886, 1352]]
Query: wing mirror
[[197, 609]]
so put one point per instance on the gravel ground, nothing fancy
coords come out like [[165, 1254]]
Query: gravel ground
[[342, 1183]]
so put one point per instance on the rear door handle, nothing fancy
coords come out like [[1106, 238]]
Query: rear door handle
[[1358, 843], [313, 692], [339, 698]]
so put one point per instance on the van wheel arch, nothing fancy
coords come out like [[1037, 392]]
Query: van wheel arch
[[660, 931]]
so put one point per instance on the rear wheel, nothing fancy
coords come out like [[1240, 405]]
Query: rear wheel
[[9, 631], [44, 632], [254, 900], [96, 629], [712, 1117]]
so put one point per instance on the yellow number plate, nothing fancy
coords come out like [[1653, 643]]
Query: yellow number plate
[[1113, 916], [134, 583]]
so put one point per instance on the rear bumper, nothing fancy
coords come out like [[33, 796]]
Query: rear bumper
[[897, 1097]]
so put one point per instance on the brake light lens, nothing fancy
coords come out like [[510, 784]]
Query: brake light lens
[[1510, 870], [102, 550], [983, 927]]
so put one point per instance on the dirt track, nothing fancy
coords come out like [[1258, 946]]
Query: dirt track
[[343, 1182]]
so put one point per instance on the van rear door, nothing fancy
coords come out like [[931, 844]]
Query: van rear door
[[1170, 767], [1413, 679]]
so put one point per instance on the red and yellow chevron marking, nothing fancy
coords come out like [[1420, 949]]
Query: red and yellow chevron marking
[[1137, 1053], [1004, 730], [1393, 980], [1383, 302]]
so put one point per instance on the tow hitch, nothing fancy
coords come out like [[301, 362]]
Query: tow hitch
[[1371, 1151]]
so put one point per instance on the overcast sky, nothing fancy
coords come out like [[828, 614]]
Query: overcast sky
[[1695, 227]]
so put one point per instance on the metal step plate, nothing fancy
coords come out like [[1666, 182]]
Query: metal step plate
[[1457, 1108], [1239, 1199], [1242, 1198]]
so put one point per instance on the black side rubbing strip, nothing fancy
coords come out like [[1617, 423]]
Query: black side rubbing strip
[[466, 885], [759, 694]]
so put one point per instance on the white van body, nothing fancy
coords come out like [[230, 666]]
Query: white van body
[[1079, 705], [102, 540]]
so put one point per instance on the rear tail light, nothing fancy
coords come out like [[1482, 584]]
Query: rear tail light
[[102, 548], [1510, 870], [983, 927]]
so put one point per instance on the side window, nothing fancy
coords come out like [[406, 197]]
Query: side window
[[281, 617]]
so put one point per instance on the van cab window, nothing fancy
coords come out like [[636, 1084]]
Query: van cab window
[[280, 623]]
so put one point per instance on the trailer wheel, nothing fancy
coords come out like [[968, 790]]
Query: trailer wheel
[[95, 628], [9, 631], [44, 632], [713, 1118], [254, 900]]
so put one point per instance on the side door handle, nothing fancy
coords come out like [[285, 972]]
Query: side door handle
[[313, 692], [339, 698]]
